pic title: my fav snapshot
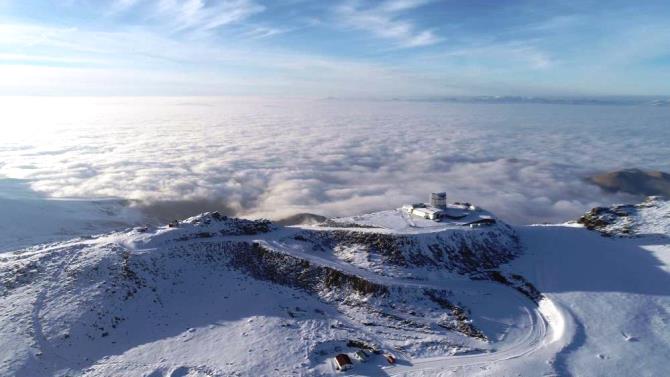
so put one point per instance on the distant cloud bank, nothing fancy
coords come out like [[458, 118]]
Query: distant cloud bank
[[275, 158]]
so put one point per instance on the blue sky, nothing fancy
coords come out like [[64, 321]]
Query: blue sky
[[346, 48]]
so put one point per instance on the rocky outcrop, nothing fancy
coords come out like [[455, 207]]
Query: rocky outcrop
[[265, 264], [459, 320], [454, 250], [628, 220], [515, 281], [603, 219]]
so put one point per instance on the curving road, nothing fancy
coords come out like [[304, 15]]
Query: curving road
[[546, 326], [549, 327]]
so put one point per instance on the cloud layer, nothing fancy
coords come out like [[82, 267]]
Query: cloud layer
[[265, 157]]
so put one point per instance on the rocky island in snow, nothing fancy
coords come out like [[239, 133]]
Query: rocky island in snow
[[395, 293]]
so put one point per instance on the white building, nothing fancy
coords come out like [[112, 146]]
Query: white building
[[427, 213], [432, 211]]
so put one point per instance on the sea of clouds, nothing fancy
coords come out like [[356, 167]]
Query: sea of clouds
[[276, 157]]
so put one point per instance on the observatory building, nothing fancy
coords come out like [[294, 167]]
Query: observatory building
[[438, 200], [431, 211]]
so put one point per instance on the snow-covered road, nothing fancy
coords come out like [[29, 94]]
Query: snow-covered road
[[546, 326]]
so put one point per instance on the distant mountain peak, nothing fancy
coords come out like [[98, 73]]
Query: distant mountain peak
[[634, 181]]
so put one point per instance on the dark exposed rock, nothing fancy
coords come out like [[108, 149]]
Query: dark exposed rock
[[246, 227], [515, 281], [285, 269], [617, 220], [459, 320], [454, 251], [338, 224], [601, 217]]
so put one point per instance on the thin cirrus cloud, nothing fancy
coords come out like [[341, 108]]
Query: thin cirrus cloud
[[384, 20], [90, 61], [426, 47], [189, 15], [204, 16]]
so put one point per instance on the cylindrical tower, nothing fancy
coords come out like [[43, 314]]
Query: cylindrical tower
[[438, 200]]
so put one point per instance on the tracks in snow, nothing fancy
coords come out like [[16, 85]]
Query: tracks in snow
[[543, 330], [547, 323]]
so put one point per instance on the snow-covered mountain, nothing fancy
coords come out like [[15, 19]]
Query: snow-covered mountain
[[27, 221], [219, 296]]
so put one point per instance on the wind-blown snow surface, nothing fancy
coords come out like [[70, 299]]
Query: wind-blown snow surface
[[277, 157], [218, 296], [615, 294], [27, 218]]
